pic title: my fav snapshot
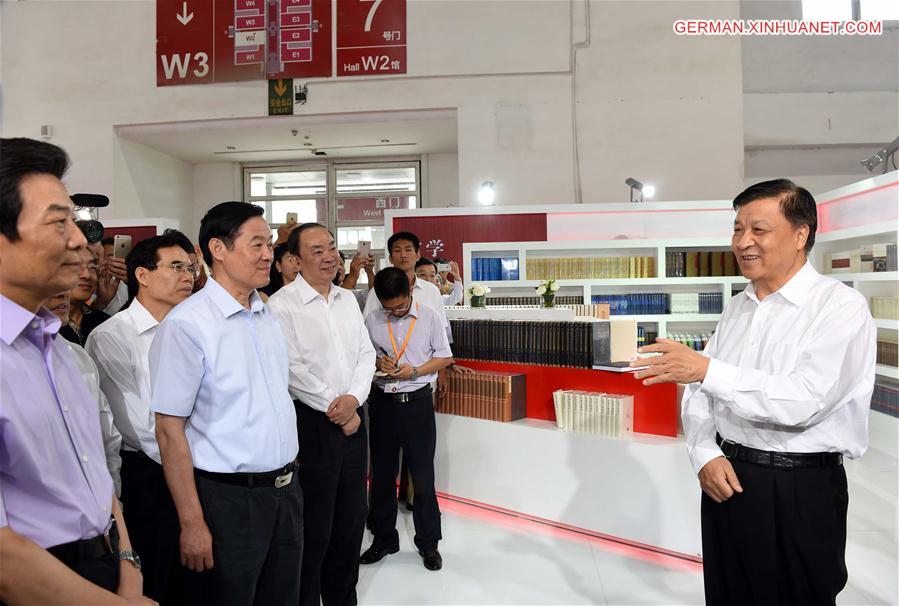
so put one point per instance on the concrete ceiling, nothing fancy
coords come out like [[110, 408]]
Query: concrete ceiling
[[343, 136]]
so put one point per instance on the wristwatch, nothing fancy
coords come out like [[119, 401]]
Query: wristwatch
[[131, 556], [414, 374]]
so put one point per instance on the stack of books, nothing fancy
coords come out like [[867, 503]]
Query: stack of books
[[696, 303], [493, 396], [694, 264], [594, 310], [885, 308], [591, 268], [638, 304], [870, 257], [489, 269], [592, 412], [533, 301], [887, 351], [580, 343], [886, 399]]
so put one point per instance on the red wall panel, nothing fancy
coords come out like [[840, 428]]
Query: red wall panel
[[443, 236]]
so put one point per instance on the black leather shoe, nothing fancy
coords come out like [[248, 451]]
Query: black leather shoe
[[431, 558], [376, 554]]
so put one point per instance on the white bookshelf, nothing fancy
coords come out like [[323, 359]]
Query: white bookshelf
[[890, 372], [586, 288]]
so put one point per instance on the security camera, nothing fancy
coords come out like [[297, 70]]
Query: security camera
[[293, 132]]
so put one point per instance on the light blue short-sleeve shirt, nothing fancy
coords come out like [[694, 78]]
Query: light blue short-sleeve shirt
[[225, 368]]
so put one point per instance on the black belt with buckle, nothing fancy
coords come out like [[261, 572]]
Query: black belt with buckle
[[409, 396], [778, 460], [84, 550], [266, 479]]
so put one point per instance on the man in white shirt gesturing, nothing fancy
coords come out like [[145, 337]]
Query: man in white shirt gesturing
[[332, 362], [779, 396]]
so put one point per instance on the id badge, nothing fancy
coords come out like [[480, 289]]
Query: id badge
[[392, 387]]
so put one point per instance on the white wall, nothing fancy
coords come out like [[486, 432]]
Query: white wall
[[85, 66], [213, 182], [443, 180]]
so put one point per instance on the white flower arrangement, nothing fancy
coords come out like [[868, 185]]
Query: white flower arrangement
[[477, 290], [547, 287]]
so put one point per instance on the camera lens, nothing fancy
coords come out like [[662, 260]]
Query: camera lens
[[92, 230]]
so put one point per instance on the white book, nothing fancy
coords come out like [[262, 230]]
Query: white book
[[605, 415], [627, 414], [557, 406]]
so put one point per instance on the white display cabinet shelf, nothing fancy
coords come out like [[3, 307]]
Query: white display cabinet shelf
[[887, 324], [868, 276], [890, 372]]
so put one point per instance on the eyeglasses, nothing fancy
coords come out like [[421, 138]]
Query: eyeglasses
[[94, 267], [180, 268], [398, 308]]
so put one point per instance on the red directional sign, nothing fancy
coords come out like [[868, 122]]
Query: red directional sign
[[203, 41], [371, 37]]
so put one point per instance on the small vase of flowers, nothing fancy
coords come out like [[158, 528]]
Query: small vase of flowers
[[477, 295], [547, 289]]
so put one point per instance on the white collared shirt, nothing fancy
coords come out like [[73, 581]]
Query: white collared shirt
[[456, 296], [793, 372], [426, 341], [122, 353], [330, 352], [112, 439], [225, 368]]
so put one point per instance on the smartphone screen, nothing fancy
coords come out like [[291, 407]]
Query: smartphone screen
[[443, 267], [291, 218], [364, 248], [121, 246]]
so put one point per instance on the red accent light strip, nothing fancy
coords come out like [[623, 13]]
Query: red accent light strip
[[624, 547], [859, 193]]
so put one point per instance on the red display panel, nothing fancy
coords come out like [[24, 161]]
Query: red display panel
[[371, 37], [443, 236], [203, 41], [655, 406]]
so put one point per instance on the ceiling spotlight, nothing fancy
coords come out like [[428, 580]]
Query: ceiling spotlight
[[487, 193], [882, 156], [231, 147], [385, 140], [647, 190]]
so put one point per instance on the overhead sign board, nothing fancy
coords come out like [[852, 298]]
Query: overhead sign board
[[371, 37], [205, 41]]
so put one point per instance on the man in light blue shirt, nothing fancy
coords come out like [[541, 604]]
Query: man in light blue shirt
[[226, 425]]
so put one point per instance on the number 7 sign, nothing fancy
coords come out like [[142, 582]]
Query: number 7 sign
[[371, 37]]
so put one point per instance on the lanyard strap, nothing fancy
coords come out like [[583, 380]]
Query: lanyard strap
[[399, 354]]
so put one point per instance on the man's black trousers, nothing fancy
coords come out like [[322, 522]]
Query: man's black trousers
[[781, 542], [257, 544], [153, 527], [332, 474], [412, 427]]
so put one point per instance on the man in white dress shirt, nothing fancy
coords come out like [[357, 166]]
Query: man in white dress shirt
[[332, 362], [779, 396], [160, 276], [226, 425]]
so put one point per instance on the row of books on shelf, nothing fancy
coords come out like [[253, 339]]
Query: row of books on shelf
[[886, 398], [484, 269], [696, 340], [581, 343], [662, 303], [533, 301], [887, 352], [886, 308], [603, 414], [591, 268], [494, 396], [695, 264], [869, 257]]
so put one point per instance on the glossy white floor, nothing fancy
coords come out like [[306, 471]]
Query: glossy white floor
[[493, 558]]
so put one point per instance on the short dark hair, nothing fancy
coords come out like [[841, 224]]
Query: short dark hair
[[275, 279], [183, 241], [796, 204], [109, 241], [403, 235], [425, 261], [146, 254], [391, 283], [223, 221], [293, 240], [21, 158]]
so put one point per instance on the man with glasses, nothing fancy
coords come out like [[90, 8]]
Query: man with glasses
[[160, 276], [83, 319], [412, 347]]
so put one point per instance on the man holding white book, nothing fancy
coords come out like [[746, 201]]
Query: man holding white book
[[779, 396]]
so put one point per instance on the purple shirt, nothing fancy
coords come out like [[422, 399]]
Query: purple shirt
[[54, 484]]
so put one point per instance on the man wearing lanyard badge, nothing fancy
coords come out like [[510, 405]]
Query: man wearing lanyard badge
[[401, 413]]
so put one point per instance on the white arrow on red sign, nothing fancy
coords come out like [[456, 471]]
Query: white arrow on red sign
[[183, 17]]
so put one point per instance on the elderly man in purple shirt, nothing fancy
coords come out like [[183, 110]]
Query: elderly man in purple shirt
[[58, 540]]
